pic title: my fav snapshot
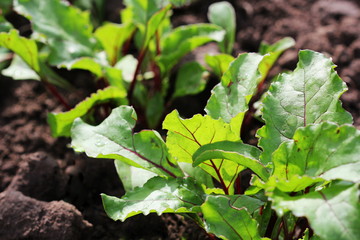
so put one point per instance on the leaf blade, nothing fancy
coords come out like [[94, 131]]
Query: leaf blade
[[308, 95], [339, 203], [158, 195]]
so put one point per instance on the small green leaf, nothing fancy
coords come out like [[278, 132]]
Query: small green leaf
[[240, 153], [272, 53], [60, 123], [183, 40], [23, 47], [308, 95], [229, 218], [153, 24], [278, 47], [19, 70], [223, 15], [219, 63], [185, 136], [160, 195], [140, 11], [85, 63], [230, 98], [333, 213], [114, 139], [190, 79], [112, 37], [68, 30]]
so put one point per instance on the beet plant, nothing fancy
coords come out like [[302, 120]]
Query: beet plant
[[305, 169]]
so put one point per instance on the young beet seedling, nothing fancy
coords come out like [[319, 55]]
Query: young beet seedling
[[306, 165], [131, 62]]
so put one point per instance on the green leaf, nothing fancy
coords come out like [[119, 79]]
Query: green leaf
[[183, 40], [112, 37], [68, 30], [60, 123], [190, 79], [278, 47], [153, 25], [85, 63], [325, 150], [272, 53], [114, 139], [308, 95], [229, 99], [19, 70], [229, 218], [160, 195], [23, 47], [140, 11], [240, 153], [333, 213], [5, 4], [185, 136], [132, 177], [219, 63], [223, 15]]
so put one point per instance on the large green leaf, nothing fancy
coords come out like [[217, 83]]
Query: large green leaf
[[114, 138], [66, 29], [223, 15], [60, 123], [185, 136], [333, 213], [243, 154], [112, 37], [308, 95], [160, 195], [229, 218], [184, 39], [23, 47], [190, 79], [326, 151], [230, 98]]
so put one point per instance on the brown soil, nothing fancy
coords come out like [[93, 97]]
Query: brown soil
[[49, 192]]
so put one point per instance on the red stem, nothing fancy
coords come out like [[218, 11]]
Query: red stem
[[238, 184], [56, 94], [226, 189], [127, 44], [138, 66]]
